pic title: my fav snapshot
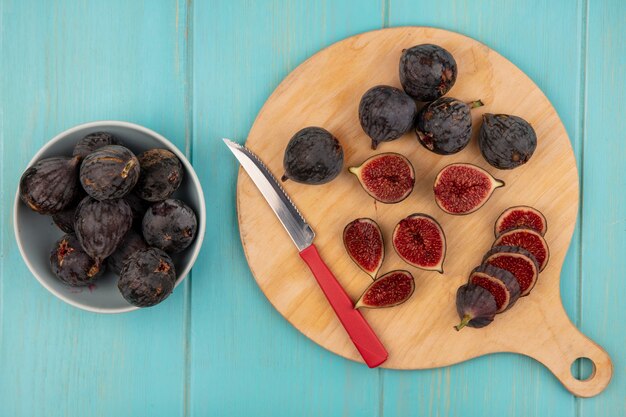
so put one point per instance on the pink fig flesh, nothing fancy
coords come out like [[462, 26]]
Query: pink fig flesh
[[388, 177], [419, 240], [464, 188], [364, 243], [527, 239], [520, 217], [499, 282], [389, 290], [519, 262]]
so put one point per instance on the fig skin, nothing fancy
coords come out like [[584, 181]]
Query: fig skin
[[431, 241], [64, 220], [501, 276], [364, 243], [386, 113], [132, 242], [475, 305], [527, 239], [391, 289], [506, 141], [170, 225], [147, 277], [138, 206], [511, 258], [50, 185], [444, 126], [109, 172], [161, 175], [100, 226], [313, 156], [387, 177], [71, 264], [94, 141], [518, 217], [427, 71]]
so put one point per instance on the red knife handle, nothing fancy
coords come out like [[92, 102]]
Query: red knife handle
[[360, 332]]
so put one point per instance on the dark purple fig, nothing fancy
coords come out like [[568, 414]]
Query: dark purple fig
[[519, 262], [506, 141], [464, 188], [161, 175], [64, 220], [313, 156], [101, 225], [364, 243], [419, 241], [427, 72], [147, 277], [94, 141], [521, 217], [475, 305], [109, 172], [499, 282], [170, 225], [138, 207], [527, 239], [132, 242], [50, 185], [389, 290], [386, 113], [444, 126], [71, 264], [388, 177]]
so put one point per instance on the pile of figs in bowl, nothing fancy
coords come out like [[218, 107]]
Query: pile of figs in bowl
[[109, 216]]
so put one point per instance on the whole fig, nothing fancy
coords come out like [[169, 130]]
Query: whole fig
[[506, 141], [109, 172], [50, 185], [94, 141], [161, 175], [147, 278], [427, 72], [71, 264], [170, 225], [313, 156], [132, 242]]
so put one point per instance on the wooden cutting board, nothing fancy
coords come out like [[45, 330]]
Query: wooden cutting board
[[325, 91]]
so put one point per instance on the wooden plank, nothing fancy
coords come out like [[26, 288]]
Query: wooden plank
[[537, 37], [247, 360], [604, 202], [65, 63]]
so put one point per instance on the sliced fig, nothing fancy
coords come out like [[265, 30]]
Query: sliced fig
[[388, 177], [364, 243], [476, 306], [464, 188], [419, 241], [389, 290], [506, 141], [519, 262], [50, 185], [527, 239], [499, 282], [519, 217]]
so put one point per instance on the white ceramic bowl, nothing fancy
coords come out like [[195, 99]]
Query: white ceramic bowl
[[36, 234]]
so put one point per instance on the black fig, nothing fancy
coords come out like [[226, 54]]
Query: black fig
[[464, 188], [109, 172], [520, 217], [64, 220], [519, 262], [147, 277], [506, 141], [388, 177], [386, 113], [475, 305], [499, 282], [71, 264], [50, 185], [445, 125], [527, 239], [101, 225], [389, 290], [161, 175], [419, 240], [138, 206], [313, 156], [94, 141], [170, 225], [364, 243], [427, 72], [132, 242]]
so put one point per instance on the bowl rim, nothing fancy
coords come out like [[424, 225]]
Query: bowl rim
[[189, 171]]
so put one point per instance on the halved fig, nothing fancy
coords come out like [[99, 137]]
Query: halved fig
[[389, 290], [464, 188], [364, 243], [499, 282], [519, 217], [476, 306], [519, 262], [419, 241], [527, 239], [388, 177]]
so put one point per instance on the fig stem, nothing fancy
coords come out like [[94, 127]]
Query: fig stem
[[284, 178], [475, 104], [129, 165], [463, 323]]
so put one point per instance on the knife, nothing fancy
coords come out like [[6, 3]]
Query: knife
[[360, 332]]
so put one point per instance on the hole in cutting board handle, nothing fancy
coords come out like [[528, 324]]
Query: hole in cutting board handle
[[583, 369]]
